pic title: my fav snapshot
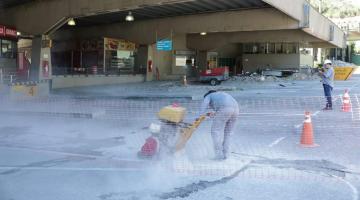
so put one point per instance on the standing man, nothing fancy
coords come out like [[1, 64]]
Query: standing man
[[226, 111], [327, 79]]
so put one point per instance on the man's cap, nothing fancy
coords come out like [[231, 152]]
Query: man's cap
[[210, 91]]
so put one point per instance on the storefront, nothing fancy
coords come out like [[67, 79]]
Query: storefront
[[94, 61], [87, 57], [8, 54]]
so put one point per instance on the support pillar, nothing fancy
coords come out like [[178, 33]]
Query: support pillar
[[35, 58]]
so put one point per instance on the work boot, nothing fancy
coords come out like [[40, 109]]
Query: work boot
[[327, 108]]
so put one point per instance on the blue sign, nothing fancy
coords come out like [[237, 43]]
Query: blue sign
[[164, 45]]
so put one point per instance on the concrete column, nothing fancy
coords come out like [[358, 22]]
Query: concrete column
[[45, 70], [150, 74], [35, 58], [202, 60], [40, 68], [162, 64]]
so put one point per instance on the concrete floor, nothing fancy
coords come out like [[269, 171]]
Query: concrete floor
[[84, 146]]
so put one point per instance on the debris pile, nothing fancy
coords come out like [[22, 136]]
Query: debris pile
[[254, 77], [339, 63], [302, 76]]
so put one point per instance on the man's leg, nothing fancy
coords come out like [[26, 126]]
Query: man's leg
[[327, 91], [229, 128], [217, 134], [330, 96]]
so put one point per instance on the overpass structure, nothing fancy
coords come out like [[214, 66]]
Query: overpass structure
[[246, 35]]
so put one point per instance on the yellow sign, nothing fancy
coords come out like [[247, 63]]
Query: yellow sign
[[343, 73], [118, 44]]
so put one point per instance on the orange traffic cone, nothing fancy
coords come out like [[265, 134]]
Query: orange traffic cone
[[307, 137], [346, 107]]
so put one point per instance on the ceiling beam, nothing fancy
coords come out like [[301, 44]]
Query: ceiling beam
[[215, 3], [229, 3]]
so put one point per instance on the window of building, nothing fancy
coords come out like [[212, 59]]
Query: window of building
[[271, 48], [180, 61], [8, 49], [122, 62]]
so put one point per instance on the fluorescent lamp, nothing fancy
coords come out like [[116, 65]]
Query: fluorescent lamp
[[203, 33], [129, 17], [71, 22]]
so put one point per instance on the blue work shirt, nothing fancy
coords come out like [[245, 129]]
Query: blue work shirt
[[219, 101], [327, 77]]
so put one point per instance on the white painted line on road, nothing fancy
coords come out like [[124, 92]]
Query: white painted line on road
[[67, 169], [298, 125], [277, 141], [316, 113], [73, 154], [277, 114], [355, 192], [50, 151], [355, 85]]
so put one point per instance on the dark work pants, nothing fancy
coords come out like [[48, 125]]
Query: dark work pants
[[327, 91]]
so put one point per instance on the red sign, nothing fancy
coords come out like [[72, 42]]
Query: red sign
[[10, 32], [2, 30], [7, 32]]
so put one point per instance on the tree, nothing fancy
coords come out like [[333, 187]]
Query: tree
[[337, 8]]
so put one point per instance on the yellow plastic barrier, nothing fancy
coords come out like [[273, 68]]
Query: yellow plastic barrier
[[25, 90], [343, 73]]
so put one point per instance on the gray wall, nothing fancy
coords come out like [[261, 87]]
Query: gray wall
[[229, 51], [253, 62], [8, 64], [142, 57]]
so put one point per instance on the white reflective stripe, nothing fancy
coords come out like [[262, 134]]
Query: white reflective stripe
[[346, 101], [307, 120]]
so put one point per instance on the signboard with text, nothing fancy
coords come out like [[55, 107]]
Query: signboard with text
[[8, 32], [164, 45], [118, 44], [2, 30]]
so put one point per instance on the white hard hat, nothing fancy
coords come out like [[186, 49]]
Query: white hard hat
[[327, 61]]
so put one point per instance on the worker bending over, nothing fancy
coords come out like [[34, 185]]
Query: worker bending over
[[226, 111]]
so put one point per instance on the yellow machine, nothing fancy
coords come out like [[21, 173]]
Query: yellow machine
[[174, 114], [186, 133], [172, 134]]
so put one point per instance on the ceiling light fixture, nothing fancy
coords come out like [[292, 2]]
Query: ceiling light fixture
[[203, 33], [18, 33], [129, 17], [71, 22]]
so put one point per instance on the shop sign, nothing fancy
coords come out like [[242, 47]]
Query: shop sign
[[118, 44], [2, 30], [7, 32], [164, 45], [10, 32]]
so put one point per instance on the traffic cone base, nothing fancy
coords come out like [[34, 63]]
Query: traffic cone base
[[309, 145]]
